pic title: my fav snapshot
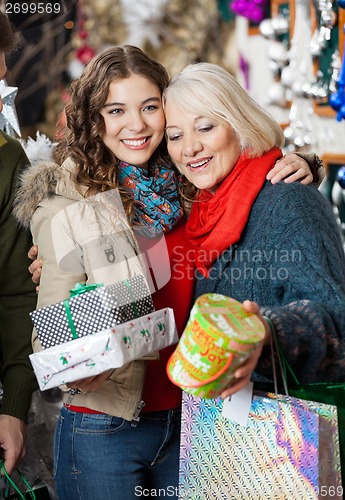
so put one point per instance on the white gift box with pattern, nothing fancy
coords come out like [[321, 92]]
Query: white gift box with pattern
[[111, 348]]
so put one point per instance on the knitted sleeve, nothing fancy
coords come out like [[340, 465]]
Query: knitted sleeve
[[311, 322]]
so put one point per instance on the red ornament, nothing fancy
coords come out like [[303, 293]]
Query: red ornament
[[85, 54]]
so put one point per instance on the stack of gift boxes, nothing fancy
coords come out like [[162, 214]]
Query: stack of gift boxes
[[98, 328]]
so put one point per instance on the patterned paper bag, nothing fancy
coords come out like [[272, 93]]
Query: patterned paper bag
[[288, 450]]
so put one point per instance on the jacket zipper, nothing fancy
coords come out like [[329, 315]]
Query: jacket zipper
[[71, 395], [136, 418]]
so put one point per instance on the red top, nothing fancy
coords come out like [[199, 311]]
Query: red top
[[159, 393]]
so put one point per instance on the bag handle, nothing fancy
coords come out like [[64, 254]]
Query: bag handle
[[13, 484], [212, 378], [283, 364]]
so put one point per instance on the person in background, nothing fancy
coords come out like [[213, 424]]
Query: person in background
[[275, 247], [17, 293], [115, 140]]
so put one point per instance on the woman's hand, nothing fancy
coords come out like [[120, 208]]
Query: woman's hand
[[90, 383], [35, 267], [290, 168], [243, 374]]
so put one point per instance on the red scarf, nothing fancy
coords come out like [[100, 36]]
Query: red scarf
[[217, 220]]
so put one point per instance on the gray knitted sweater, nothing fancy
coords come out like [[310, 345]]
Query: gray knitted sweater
[[290, 260]]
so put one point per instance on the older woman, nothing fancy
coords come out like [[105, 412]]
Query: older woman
[[277, 246]]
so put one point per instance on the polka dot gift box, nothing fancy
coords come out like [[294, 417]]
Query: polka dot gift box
[[91, 309]]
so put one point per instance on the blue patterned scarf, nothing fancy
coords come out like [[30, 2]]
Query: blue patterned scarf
[[156, 203]]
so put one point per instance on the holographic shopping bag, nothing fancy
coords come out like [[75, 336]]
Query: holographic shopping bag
[[288, 450]]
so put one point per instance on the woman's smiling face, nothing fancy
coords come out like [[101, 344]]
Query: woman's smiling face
[[203, 149], [133, 119]]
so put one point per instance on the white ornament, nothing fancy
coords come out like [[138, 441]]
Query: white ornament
[[8, 116], [299, 77], [75, 69], [39, 149], [276, 95], [144, 21], [287, 76], [277, 51]]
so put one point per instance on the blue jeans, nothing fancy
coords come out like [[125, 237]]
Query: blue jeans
[[100, 457]]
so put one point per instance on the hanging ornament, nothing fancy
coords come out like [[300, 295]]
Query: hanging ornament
[[8, 116], [322, 33], [337, 99], [254, 10], [144, 21], [317, 89], [278, 58], [341, 176], [336, 67], [296, 76], [83, 52], [277, 52], [275, 27], [276, 95]]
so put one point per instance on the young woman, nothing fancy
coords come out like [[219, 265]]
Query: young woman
[[115, 141]]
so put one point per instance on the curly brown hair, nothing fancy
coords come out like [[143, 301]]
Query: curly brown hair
[[83, 135]]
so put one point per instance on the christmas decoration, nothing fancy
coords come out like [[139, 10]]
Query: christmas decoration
[[275, 30], [322, 33], [296, 76], [181, 32], [341, 177], [84, 52], [337, 100], [336, 67], [8, 115], [39, 149], [275, 27], [254, 10], [144, 21]]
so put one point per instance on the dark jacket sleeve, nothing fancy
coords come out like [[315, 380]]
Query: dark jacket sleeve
[[310, 323], [17, 291]]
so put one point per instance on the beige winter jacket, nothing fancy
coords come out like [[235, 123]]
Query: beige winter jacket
[[86, 240]]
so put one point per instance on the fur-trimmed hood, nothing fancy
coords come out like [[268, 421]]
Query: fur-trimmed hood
[[42, 181]]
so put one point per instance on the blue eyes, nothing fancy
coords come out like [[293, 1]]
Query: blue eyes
[[119, 111], [151, 107]]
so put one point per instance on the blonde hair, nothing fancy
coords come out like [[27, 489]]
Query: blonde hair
[[208, 90]]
